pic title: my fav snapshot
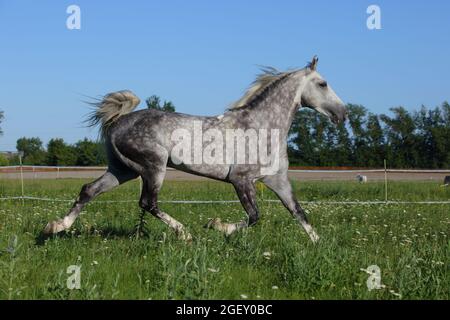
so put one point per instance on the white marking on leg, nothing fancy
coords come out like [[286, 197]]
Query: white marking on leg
[[175, 225], [227, 228], [310, 231]]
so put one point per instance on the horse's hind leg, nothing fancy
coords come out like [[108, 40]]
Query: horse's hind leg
[[152, 183], [89, 191], [282, 187], [247, 195]]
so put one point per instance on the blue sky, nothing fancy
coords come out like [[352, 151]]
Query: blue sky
[[203, 54]]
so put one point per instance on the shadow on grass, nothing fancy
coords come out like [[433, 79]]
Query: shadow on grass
[[106, 232]]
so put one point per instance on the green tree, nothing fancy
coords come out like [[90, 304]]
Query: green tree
[[357, 116], [343, 149], [301, 146], [403, 151], [33, 150], [315, 141], [89, 153], [4, 161], [406, 139], [375, 142], [445, 133], [432, 137], [154, 102], [328, 141], [60, 154]]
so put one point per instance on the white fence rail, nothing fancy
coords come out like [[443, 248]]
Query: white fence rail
[[80, 168]]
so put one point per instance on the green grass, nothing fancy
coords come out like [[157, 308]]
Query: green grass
[[273, 260]]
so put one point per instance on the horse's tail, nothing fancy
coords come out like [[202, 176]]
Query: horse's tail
[[110, 108]]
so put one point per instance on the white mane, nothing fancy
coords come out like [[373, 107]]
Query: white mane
[[263, 81]]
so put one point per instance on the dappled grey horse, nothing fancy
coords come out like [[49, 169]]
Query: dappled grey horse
[[141, 143]]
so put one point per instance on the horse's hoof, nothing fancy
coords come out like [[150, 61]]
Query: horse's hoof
[[54, 227], [185, 236], [217, 224], [314, 237], [212, 223], [188, 238]]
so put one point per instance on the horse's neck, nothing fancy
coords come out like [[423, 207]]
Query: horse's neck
[[278, 109]]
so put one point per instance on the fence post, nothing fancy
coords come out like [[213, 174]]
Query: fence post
[[57, 173], [21, 178], [385, 183]]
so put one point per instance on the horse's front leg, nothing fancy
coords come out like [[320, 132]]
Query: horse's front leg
[[282, 187], [246, 192]]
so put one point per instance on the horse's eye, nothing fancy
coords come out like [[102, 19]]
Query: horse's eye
[[323, 84]]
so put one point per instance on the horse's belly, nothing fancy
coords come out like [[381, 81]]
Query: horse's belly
[[213, 171]]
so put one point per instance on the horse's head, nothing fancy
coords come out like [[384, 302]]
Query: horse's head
[[318, 95]]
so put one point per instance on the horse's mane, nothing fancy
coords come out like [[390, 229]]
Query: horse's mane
[[267, 79]]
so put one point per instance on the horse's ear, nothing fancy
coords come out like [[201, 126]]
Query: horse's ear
[[313, 64]]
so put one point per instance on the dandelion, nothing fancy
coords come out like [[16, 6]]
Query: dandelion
[[395, 293], [267, 255], [244, 296], [213, 270], [438, 263], [275, 287]]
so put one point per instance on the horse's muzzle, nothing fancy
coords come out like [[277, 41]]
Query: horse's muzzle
[[338, 114]]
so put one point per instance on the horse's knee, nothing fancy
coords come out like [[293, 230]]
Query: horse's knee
[[87, 192]]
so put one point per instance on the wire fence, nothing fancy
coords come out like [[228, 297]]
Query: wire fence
[[24, 173]]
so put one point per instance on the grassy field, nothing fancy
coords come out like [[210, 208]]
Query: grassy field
[[273, 260]]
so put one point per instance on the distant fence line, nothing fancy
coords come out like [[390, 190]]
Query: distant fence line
[[27, 168], [20, 170]]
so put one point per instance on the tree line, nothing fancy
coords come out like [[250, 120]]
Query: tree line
[[417, 139], [59, 153], [406, 139]]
